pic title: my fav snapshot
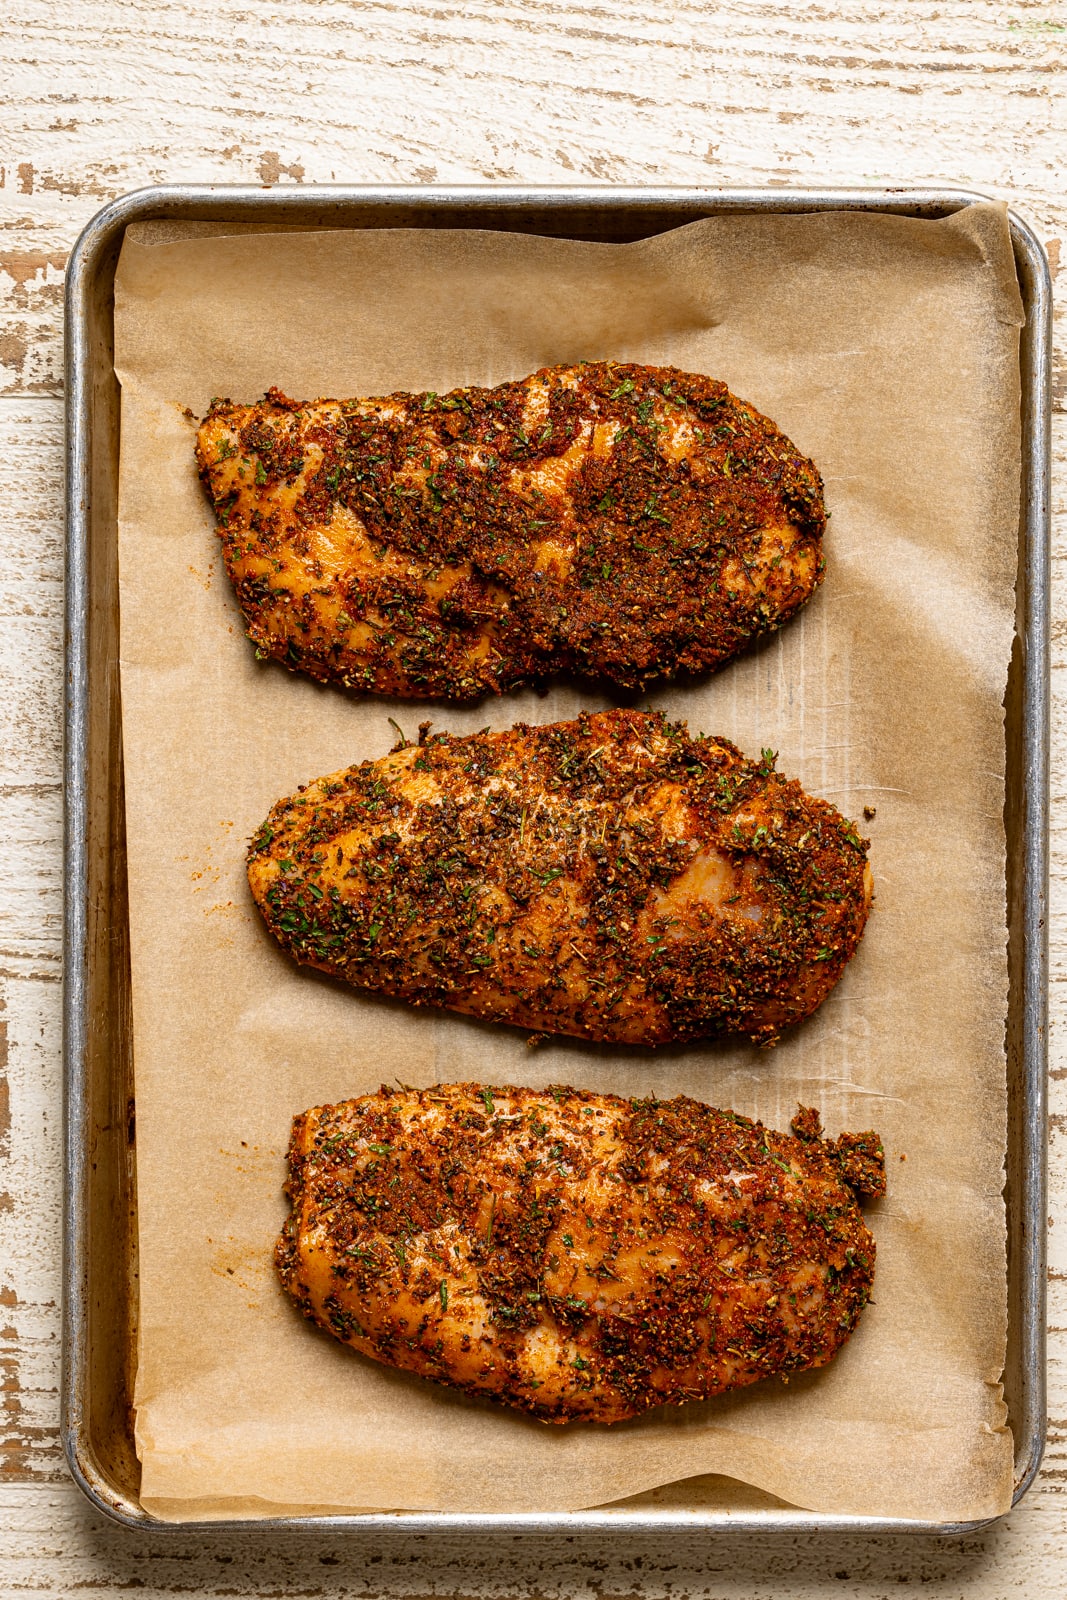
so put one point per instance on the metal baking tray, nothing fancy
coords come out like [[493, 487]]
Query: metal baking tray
[[100, 1263]]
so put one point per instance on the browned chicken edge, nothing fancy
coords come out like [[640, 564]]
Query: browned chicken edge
[[577, 1256]]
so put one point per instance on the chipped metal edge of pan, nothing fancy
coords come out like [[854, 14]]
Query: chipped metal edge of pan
[[543, 210]]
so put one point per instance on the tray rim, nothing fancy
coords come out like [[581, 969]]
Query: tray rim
[[319, 206]]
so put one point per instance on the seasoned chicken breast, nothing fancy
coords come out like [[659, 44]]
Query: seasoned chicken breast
[[610, 877], [577, 1255], [620, 521]]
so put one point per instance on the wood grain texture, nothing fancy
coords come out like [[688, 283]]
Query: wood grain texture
[[108, 96]]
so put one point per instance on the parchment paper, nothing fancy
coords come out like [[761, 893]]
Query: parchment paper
[[888, 349]]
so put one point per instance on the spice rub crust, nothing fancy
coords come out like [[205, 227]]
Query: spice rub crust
[[610, 878], [619, 521], [576, 1255]]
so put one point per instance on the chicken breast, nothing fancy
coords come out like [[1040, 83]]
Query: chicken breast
[[620, 521], [611, 878], [577, 1255]]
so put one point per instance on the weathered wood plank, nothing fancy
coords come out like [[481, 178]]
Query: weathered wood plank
[[51, 1543], [31, 642], [530, 90]]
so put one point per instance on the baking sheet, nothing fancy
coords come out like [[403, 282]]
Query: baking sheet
[[888, 348]]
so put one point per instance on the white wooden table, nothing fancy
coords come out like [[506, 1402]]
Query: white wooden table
[[104, 96]]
